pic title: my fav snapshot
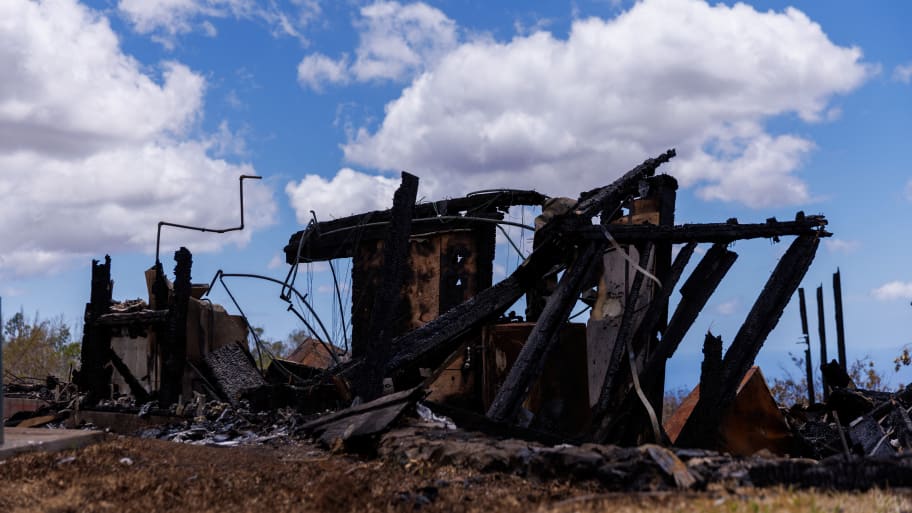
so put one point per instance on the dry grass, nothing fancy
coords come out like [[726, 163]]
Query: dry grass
[[774, 500]]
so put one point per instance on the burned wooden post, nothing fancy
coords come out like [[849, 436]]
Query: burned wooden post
[[840, 326], [704, 430], [808, 366], [544, 336], [94, 375], [663, 188], [821, 331], [395, 258], [174, 346]]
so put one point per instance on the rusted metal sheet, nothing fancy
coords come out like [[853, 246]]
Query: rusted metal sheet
[[753, 421]]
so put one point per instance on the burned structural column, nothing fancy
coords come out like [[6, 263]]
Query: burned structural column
[[395, 259], [662, 188], [808, 366], [840, 326], [821, 330], [174, 346], [94, 375]]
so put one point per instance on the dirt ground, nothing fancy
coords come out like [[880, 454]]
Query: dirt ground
[[128, 474]]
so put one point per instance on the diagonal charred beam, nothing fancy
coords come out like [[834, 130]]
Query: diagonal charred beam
[[696, 291], [709, 232], [544, 336], [136, 388], [395, 260], [767, 310], [597, 200], [438, 335]]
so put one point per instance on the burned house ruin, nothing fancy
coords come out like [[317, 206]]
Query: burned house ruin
[[426, 315]]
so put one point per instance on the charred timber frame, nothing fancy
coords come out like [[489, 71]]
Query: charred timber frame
[[709, 232], [339, 238], [94, 376]]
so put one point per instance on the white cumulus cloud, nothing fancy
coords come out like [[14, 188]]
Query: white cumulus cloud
[[841, 245], [396, 42], [167, 19], [893, 290], [349, 192], [903, 73], [564, 115], [95, 151]]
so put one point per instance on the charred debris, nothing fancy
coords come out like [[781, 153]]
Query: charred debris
[[432, 333]]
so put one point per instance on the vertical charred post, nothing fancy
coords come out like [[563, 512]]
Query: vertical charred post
[[840, 326], [174, 347], [94, 375], [808, 366], [395, 260], [821, 330]]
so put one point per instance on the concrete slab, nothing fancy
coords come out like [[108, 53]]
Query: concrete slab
[[19, 440]]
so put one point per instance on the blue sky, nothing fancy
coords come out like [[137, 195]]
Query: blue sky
[[115, 114]]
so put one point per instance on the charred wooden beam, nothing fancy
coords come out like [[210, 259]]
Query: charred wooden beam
[[808, 367], [597, 200], [709, 232], [337, 238], [767, 310], [544, 337], [696, 291], [136, 388], [840, 326], [145, 317], [821, 332], [439, 335], [344, 242], [94, 377], [174, 347], [395, 257]]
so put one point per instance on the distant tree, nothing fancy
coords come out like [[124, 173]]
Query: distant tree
[[269, 349], [672, 400], [40, 348]]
